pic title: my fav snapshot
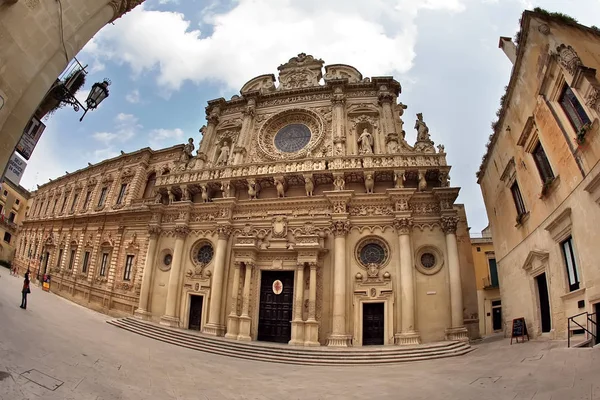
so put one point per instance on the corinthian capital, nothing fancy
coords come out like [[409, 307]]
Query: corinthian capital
[[154, 231], [340, 228], [449, 224], [181, 231], [403, 226], [224, 231]]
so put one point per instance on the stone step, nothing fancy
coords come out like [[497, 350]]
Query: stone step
[[291, 355], [283, 349]]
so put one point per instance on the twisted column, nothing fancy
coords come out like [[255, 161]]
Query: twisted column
[[170, 318], [142, 310]]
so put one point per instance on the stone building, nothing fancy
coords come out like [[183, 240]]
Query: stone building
[[304, 217], [540, 177], [489, 303], [13, 206]]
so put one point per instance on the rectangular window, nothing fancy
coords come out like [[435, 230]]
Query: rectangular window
[[542, 164], [516, 193], [571, 263], [102, 197], [86, 259], [60, 254], [87, 199], [11, 217], [54, 206], [5, 193], [74, 202], [72, 259], [128, 266], [64, 204], [17, 201], [1, 208], [121, 193], [493, 272], [572, 107], [103, 264], [7, 237]]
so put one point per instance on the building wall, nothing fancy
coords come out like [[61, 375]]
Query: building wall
[[533, 114], [10, 195], [482, 251]]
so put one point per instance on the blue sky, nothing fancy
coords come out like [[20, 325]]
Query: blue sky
[[167, 58]]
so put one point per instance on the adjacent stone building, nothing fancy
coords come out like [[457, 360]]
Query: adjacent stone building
[[304, 217], [540, 177], [13, 206]]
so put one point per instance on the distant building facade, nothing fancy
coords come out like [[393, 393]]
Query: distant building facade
[[13, 207], [304, 217], [540, 178], [489, 303]]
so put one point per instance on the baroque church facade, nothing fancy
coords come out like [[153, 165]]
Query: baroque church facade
[[304, 217]]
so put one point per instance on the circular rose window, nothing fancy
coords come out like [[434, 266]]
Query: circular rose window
[[292, 138], [372, 251], [205, 254], [168, 259], [428, 260]]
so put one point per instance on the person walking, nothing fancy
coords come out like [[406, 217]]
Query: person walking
[[25, 291]]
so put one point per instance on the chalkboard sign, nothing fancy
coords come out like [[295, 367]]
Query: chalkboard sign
[[519, 330]]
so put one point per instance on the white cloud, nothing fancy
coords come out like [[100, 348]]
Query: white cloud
[[168, 1], [133, 96], [377, 36], [163, 137]]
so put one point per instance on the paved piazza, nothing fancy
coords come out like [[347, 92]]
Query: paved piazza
[[55, 342]]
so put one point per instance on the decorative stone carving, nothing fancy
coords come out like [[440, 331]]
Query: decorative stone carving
[[224, 231], [186, 155], [340, 228], [226, 189], [568, 58], [280, 186], [399, 178], [171, 195], [280, 227], [365, 142], [422, 182], [185, 193], [154, 231], [181, 231], [252, 189], [449, 224], [301, 71], [441, 149], [403, 226], [204, 193], [593, 99], [224, 154], [369, 182], [309, 185], [339, 183]]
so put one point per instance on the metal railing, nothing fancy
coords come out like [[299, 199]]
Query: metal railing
[[590, 334]]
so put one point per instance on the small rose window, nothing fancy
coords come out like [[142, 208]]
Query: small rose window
[[168, 259], [205, 254], [372, 251], [428, 260]]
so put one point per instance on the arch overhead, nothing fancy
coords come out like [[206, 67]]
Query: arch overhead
[[262, 83], [342, 71], [46, 53]]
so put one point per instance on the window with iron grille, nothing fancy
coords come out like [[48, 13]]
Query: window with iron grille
[[102, 197], [121, 193], [86, 259], [128, 267], [60, 254], [103, 264], [518, 199], [72, 259], [572, 107], [542, 164]]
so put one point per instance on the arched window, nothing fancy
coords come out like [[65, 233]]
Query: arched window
[[149, 190]]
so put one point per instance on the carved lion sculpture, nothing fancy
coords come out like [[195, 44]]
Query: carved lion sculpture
[[309, 186], [369, 183]]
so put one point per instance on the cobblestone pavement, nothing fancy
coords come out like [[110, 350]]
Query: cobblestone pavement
[[58, 350]]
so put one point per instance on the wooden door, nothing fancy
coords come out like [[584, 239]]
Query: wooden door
[[196, 313], [373, 324], [275, 315]]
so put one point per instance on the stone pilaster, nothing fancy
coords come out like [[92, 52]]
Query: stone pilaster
[[171, 318], [214, 325], [311, 326], [297, 323], [233, 318], [386, 99], [208, 135], [338, 101], [245, 319], [115, 258], [94, 255], [142, 310]]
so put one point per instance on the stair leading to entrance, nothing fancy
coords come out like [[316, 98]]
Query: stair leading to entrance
[[261, 351]]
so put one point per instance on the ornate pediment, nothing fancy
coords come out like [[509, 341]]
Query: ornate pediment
[[299, 72], [262, 83], [536, 260], [342, 71]]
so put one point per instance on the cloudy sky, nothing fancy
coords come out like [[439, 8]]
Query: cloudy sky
[[167, 58]]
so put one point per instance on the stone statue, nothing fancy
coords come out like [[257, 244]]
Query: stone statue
[[157, 197], [369, 183], [441, 149], [401, 107], [185, 193], [188, 148], [422, 182], [399, 179], [205, 198], [280, 187], [422, 129], [226, 189], [365, 141], [392, 147], [252, 190], [339, 183], [171, 196], [309, 186], [224, 155]]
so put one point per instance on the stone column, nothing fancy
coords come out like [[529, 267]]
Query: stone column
[[457, 331], [209, 132], [245, 317], [246, 132], [387, 118], [142, 310], [311, 326], [338, 336], [233, 318], [408, 334], [171, 318], [338, 101], [214, 326], [297, 323]]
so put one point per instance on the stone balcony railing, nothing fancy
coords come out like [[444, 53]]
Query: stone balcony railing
[[406, 163], [11, 227]]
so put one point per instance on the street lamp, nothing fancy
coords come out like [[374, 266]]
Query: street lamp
[[97, 94]]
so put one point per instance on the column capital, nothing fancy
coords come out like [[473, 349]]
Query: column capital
[[385, 98], [449, 224], [340, 227], [313, 265], [181, 231], [154, 231], [403, 226], [237, 264], [224, 231]]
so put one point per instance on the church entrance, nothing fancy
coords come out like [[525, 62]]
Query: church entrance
[[276, 300], [195, 312], [373, 324]]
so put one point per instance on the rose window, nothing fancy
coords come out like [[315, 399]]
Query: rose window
[[168, 259], [427, 260], [292, 138], [205, 254], [372, 253]]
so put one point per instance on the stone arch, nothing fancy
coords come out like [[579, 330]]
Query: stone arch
[[23, 89]]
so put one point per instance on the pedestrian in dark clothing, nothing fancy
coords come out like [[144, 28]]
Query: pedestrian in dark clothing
[[25, 291]]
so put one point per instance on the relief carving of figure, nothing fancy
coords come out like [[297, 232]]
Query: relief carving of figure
[[422, 129], [422, 182], [399, 179], [205, 198], [365, 141], [224, 154], [392, 147], [339, 183], [157, 197], [369, 183], [226, 189], [309, 185], [280, 187]]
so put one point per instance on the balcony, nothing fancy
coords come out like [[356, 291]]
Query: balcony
[[11, 227], [489, 283]]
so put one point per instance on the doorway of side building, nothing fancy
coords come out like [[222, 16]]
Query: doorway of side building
[[496, 315], [542, 286], [373, 324], [597, 322], [276, 301], [195, 320]]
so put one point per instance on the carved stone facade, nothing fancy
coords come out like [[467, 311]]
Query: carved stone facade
[[294, 208]]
